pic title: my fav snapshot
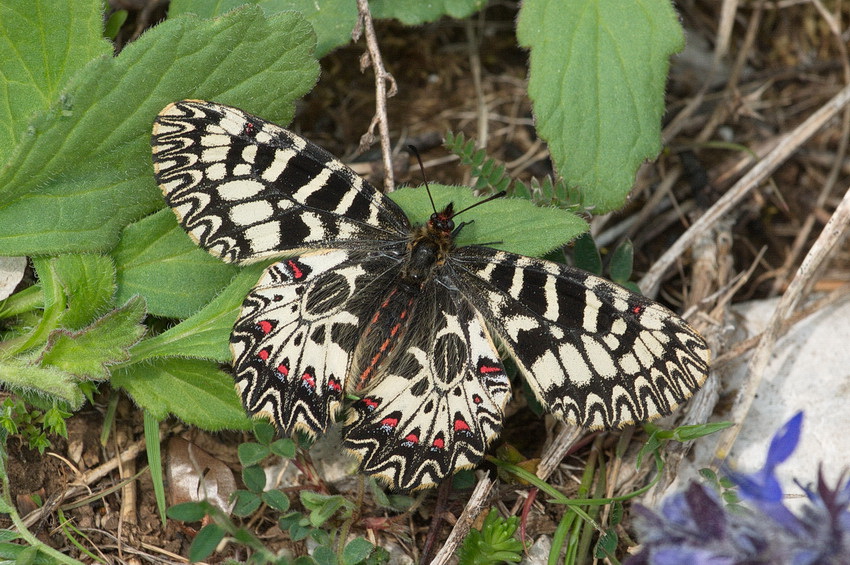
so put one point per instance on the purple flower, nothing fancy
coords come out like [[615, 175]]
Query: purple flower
[[695, 527]]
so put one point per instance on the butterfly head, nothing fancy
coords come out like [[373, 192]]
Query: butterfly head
[[443, 222]]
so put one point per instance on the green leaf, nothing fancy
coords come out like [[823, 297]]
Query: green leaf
[[415, 12], [607, 544], [251, 453], [86, 283], [512, 224], [284, 447], [596, 78], [356, 551], [245, 503], [323, 506], [197, 392], [187, 511], [587, 255], [333, 21], [43, 43], [157, 259], [205, 334], [276, 500], [88, 352], [622, 261], [264, 431], [154, 455], [254, 478], [85, 172], [695, 431], [17, 374], [205, 542]]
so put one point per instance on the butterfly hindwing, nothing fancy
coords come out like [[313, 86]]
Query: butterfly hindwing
[[594, 353], [293, 340], [245, 189], [437, 404]]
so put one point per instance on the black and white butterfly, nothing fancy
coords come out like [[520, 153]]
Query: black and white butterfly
[[364, 303]]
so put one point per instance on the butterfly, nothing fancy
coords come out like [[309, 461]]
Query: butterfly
[[363, 303]]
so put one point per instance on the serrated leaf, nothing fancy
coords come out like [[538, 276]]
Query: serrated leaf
[[205, 334], [415, 12], [87, 353], [86, 171], [512, 224], [18, 374], [81, 286], [196, 391], [155, 258], [596, 78], [43, 43], [333, 21]]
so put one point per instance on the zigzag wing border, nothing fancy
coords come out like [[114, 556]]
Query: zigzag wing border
[[594, 353], [246, 189]]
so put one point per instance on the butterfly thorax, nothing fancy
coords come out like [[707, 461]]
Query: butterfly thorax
[[429, 247], [427, 250]]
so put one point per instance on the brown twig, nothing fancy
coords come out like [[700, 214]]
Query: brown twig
[[382, 77], [477, 501]]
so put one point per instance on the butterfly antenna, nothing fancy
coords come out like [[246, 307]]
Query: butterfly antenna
[[415, 152], [499, 194]]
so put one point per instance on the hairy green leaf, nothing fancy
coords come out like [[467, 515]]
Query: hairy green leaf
[[196, 391], [597, 75], [503, 223], [156, 259], [85, 172], [206, 334], [333, 20], [43, 43], [87, 353]]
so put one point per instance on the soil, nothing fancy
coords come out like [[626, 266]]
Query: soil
[[792, 66]]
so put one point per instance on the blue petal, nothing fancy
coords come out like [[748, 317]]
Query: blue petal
[[784, 441]]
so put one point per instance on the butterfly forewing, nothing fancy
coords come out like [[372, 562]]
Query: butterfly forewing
[[245, 189], [398, 316], [594, 353]]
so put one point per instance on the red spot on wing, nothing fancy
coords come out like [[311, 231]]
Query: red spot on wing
[[250, 129], [637, 309], [476, 399], [263, 354], [438, 443], [389, 422], [412, 438], [461, 426], [484, 369], [283, 370], [334, 384], [309, 379], [265, 326], [296, 271], [370, 403]]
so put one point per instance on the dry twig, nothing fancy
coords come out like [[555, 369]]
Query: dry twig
[[382, 77]]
